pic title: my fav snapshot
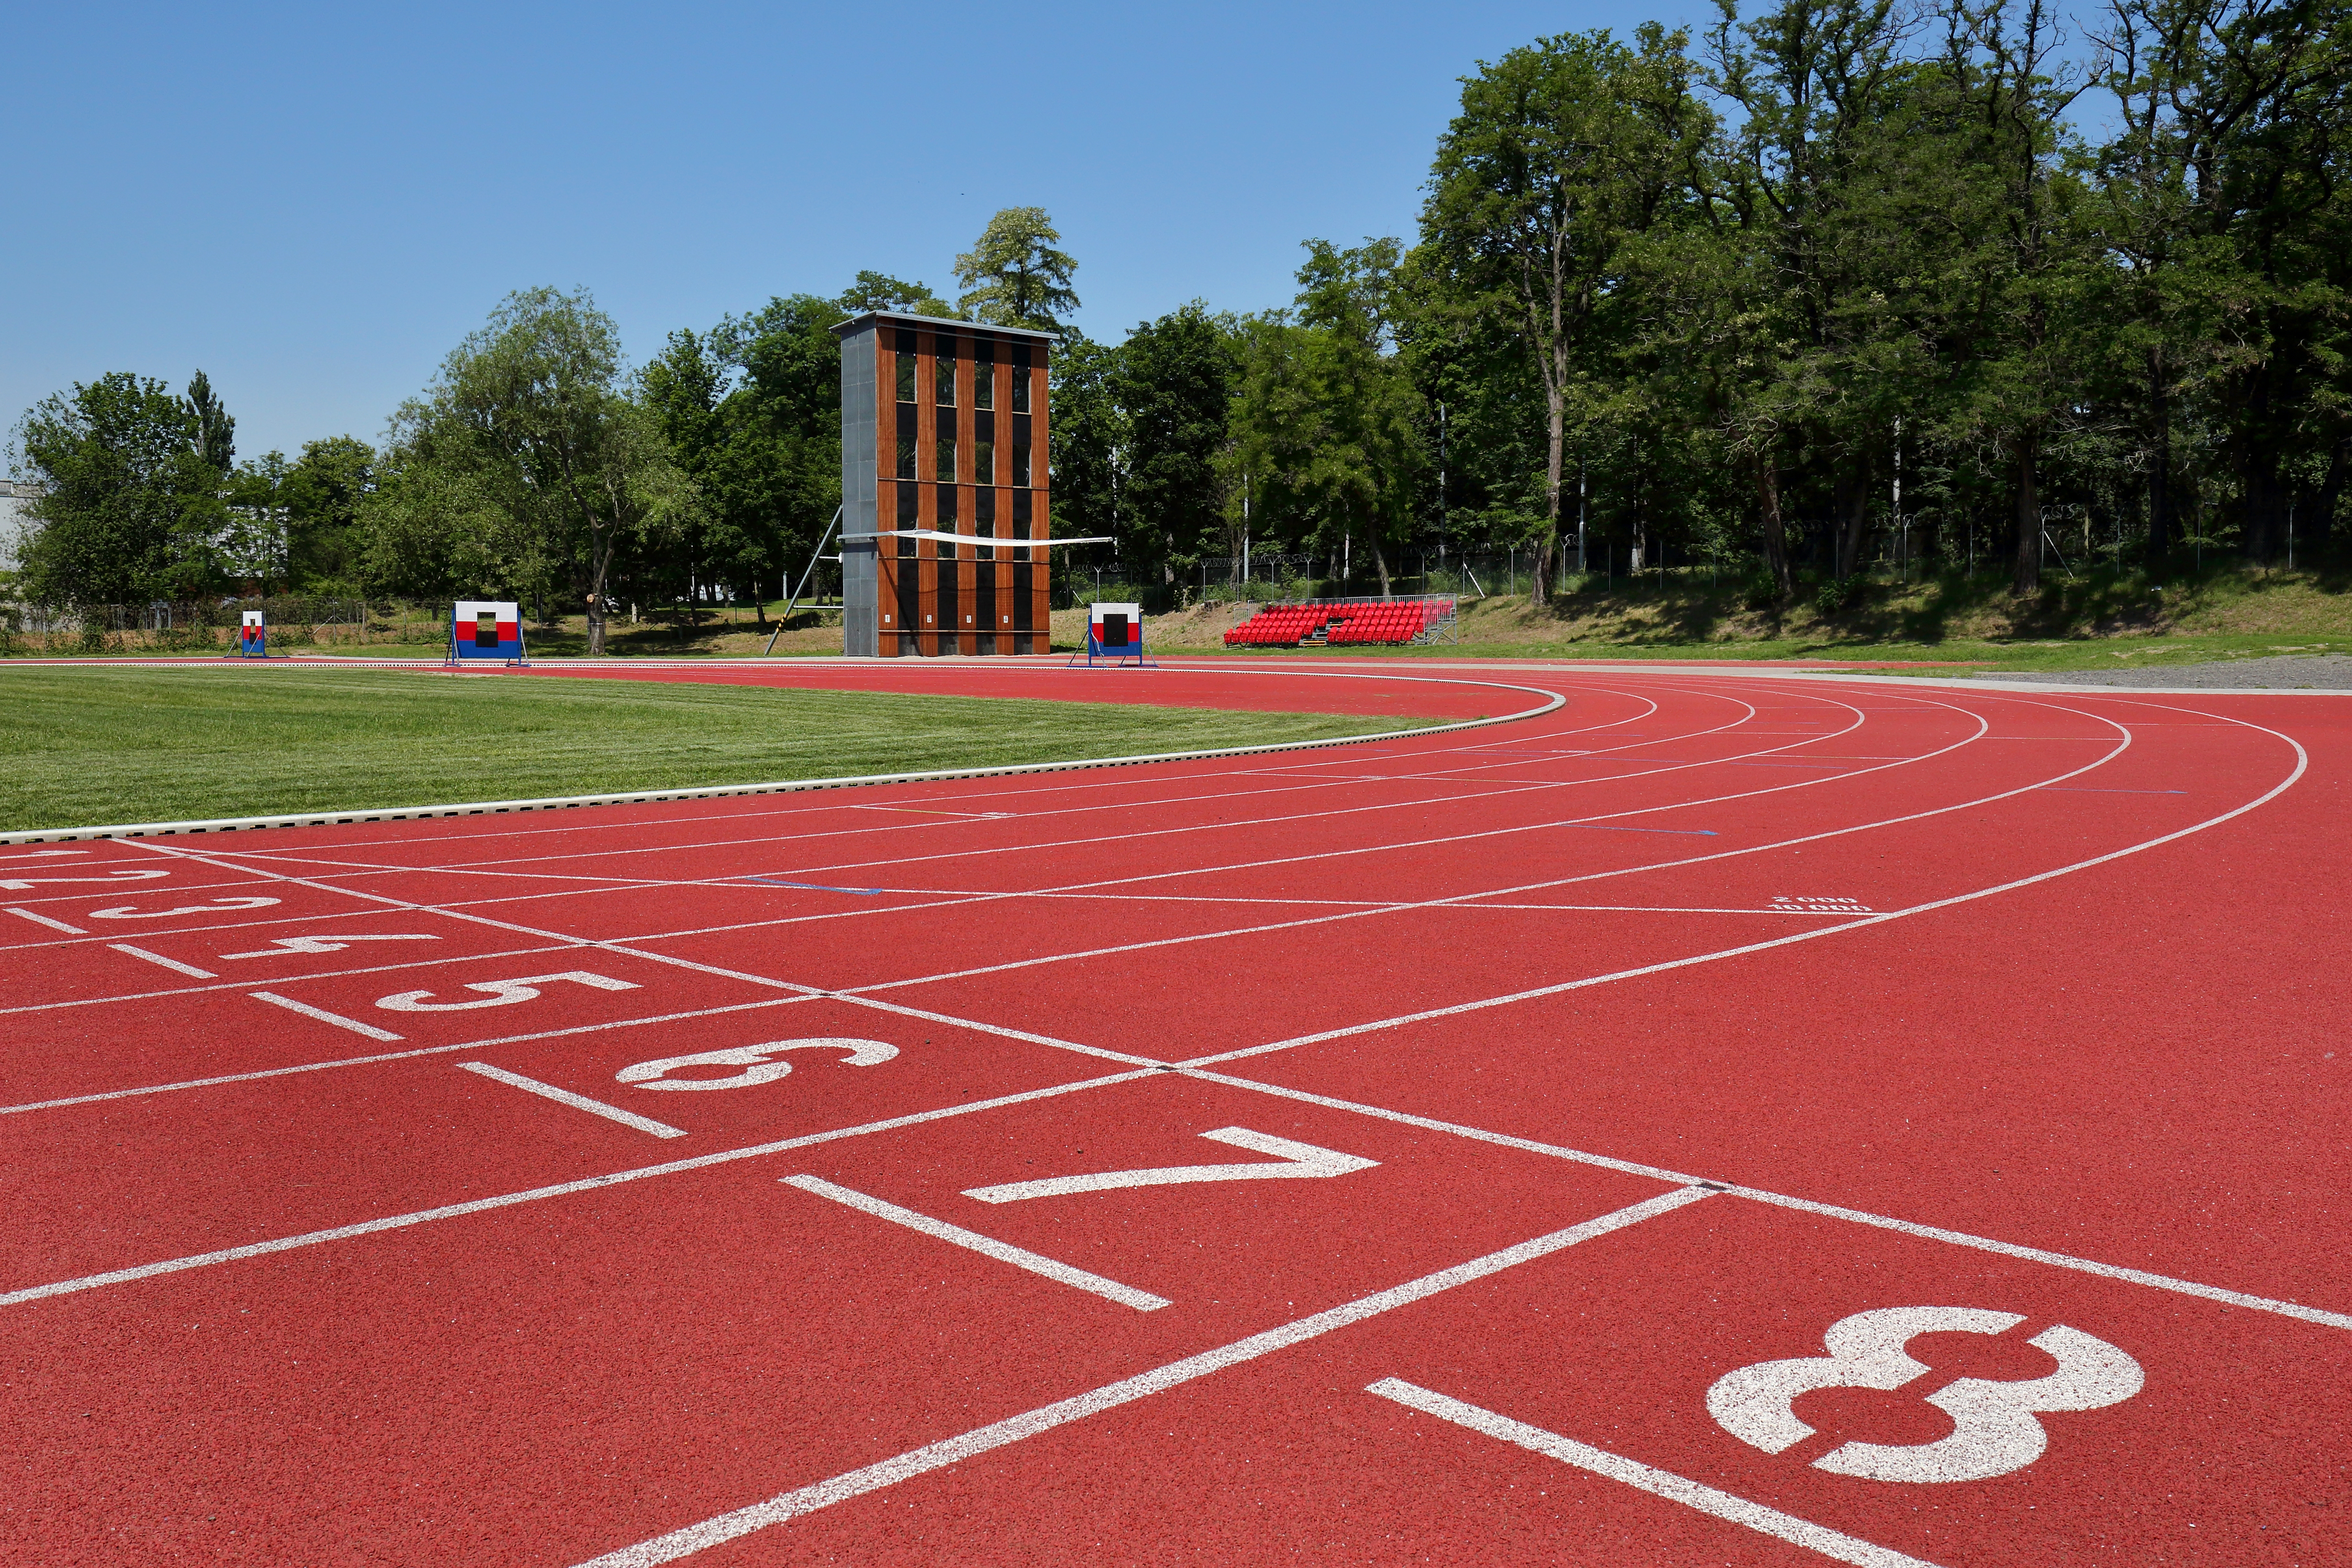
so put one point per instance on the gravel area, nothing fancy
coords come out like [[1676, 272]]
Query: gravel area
[[2321, 672]]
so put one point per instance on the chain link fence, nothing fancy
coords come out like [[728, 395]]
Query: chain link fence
[[209, 626]]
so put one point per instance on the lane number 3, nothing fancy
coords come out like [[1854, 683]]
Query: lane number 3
[[1996, 1427]]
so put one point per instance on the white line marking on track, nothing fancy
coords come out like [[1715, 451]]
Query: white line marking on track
[[1927, 1232], [45, 920], [1691, 1494], [374, 1058], [337, 1020], [789, 1505], [577, 1101], [189, 969], [1002, 1251], [2056, 1259], [534, 1195]]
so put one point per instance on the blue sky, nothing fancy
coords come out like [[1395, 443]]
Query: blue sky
[[314, 204]]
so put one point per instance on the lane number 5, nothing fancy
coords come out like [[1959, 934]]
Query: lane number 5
[[499, 993]]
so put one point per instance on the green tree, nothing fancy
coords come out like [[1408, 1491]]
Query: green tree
[[129, 508], [1173, 385], [1327, 422], [879, 292], [323, 496], [215, 431], [1563, 151], [754, 414], [1013, 276], [526, 463], [1089, 442]]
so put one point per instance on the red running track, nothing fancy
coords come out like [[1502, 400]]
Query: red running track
[[1610, 1059]]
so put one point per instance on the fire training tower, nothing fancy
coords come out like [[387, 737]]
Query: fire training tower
[[944, 477]]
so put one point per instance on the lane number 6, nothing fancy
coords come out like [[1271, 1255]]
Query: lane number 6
[[759, 1063]]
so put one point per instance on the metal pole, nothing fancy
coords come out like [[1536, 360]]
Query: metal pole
[[785, 619]]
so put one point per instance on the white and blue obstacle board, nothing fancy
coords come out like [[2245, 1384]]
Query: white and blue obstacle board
[[252, 636], [486, 628]]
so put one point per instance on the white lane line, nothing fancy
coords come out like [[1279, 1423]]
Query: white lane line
[[1002, 1251], [167, 963], [1771, 1521], [577, 1101], [2302, 765], [2319, 1315], [45, 920], [2284, 1309], [788, 1505], [534, 1194], [337, 1020]]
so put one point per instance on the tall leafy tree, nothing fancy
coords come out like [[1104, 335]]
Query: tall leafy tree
[[1562, 152], [215, 428], [1328, 422], [880, 291], [129, 508], [526, 462], [754, 414], [322, 496], [1089, 444], [1015, 276], [1174, 382]]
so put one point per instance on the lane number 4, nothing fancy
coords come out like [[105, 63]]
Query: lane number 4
[[1996, 1426]]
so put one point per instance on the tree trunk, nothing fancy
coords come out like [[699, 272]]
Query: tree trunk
[[2027, 576], [2331, 489], [1775, 532], [1851, 497], [1555, 442], [1380, 563], [2263, 507], [2159, 471]]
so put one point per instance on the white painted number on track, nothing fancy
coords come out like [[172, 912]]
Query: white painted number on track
[[1995, 1431], [1290, 1160], [497, 993], [280, 946], [757, 1062], [111, 876], [218, 905]]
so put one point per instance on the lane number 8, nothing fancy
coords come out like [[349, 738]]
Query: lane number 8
[[1996, 1429]]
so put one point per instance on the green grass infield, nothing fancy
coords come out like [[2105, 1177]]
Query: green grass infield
[[89, 746]]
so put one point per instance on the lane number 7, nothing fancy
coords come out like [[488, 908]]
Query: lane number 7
[[1290, 1160]]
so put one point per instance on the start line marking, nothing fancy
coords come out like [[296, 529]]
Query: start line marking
[[1765, 1520], [726, 1527], [1002, 1251], [577, 1101]]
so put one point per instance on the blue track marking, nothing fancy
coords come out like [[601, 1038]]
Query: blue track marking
[[819, 886]]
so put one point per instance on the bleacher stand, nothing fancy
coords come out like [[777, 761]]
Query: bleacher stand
[[1338, 623]]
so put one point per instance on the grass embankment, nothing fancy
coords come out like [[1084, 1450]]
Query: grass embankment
[[2094, 622], [95, 745]]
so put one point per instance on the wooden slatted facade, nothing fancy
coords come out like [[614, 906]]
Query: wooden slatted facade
[[943, 428]]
